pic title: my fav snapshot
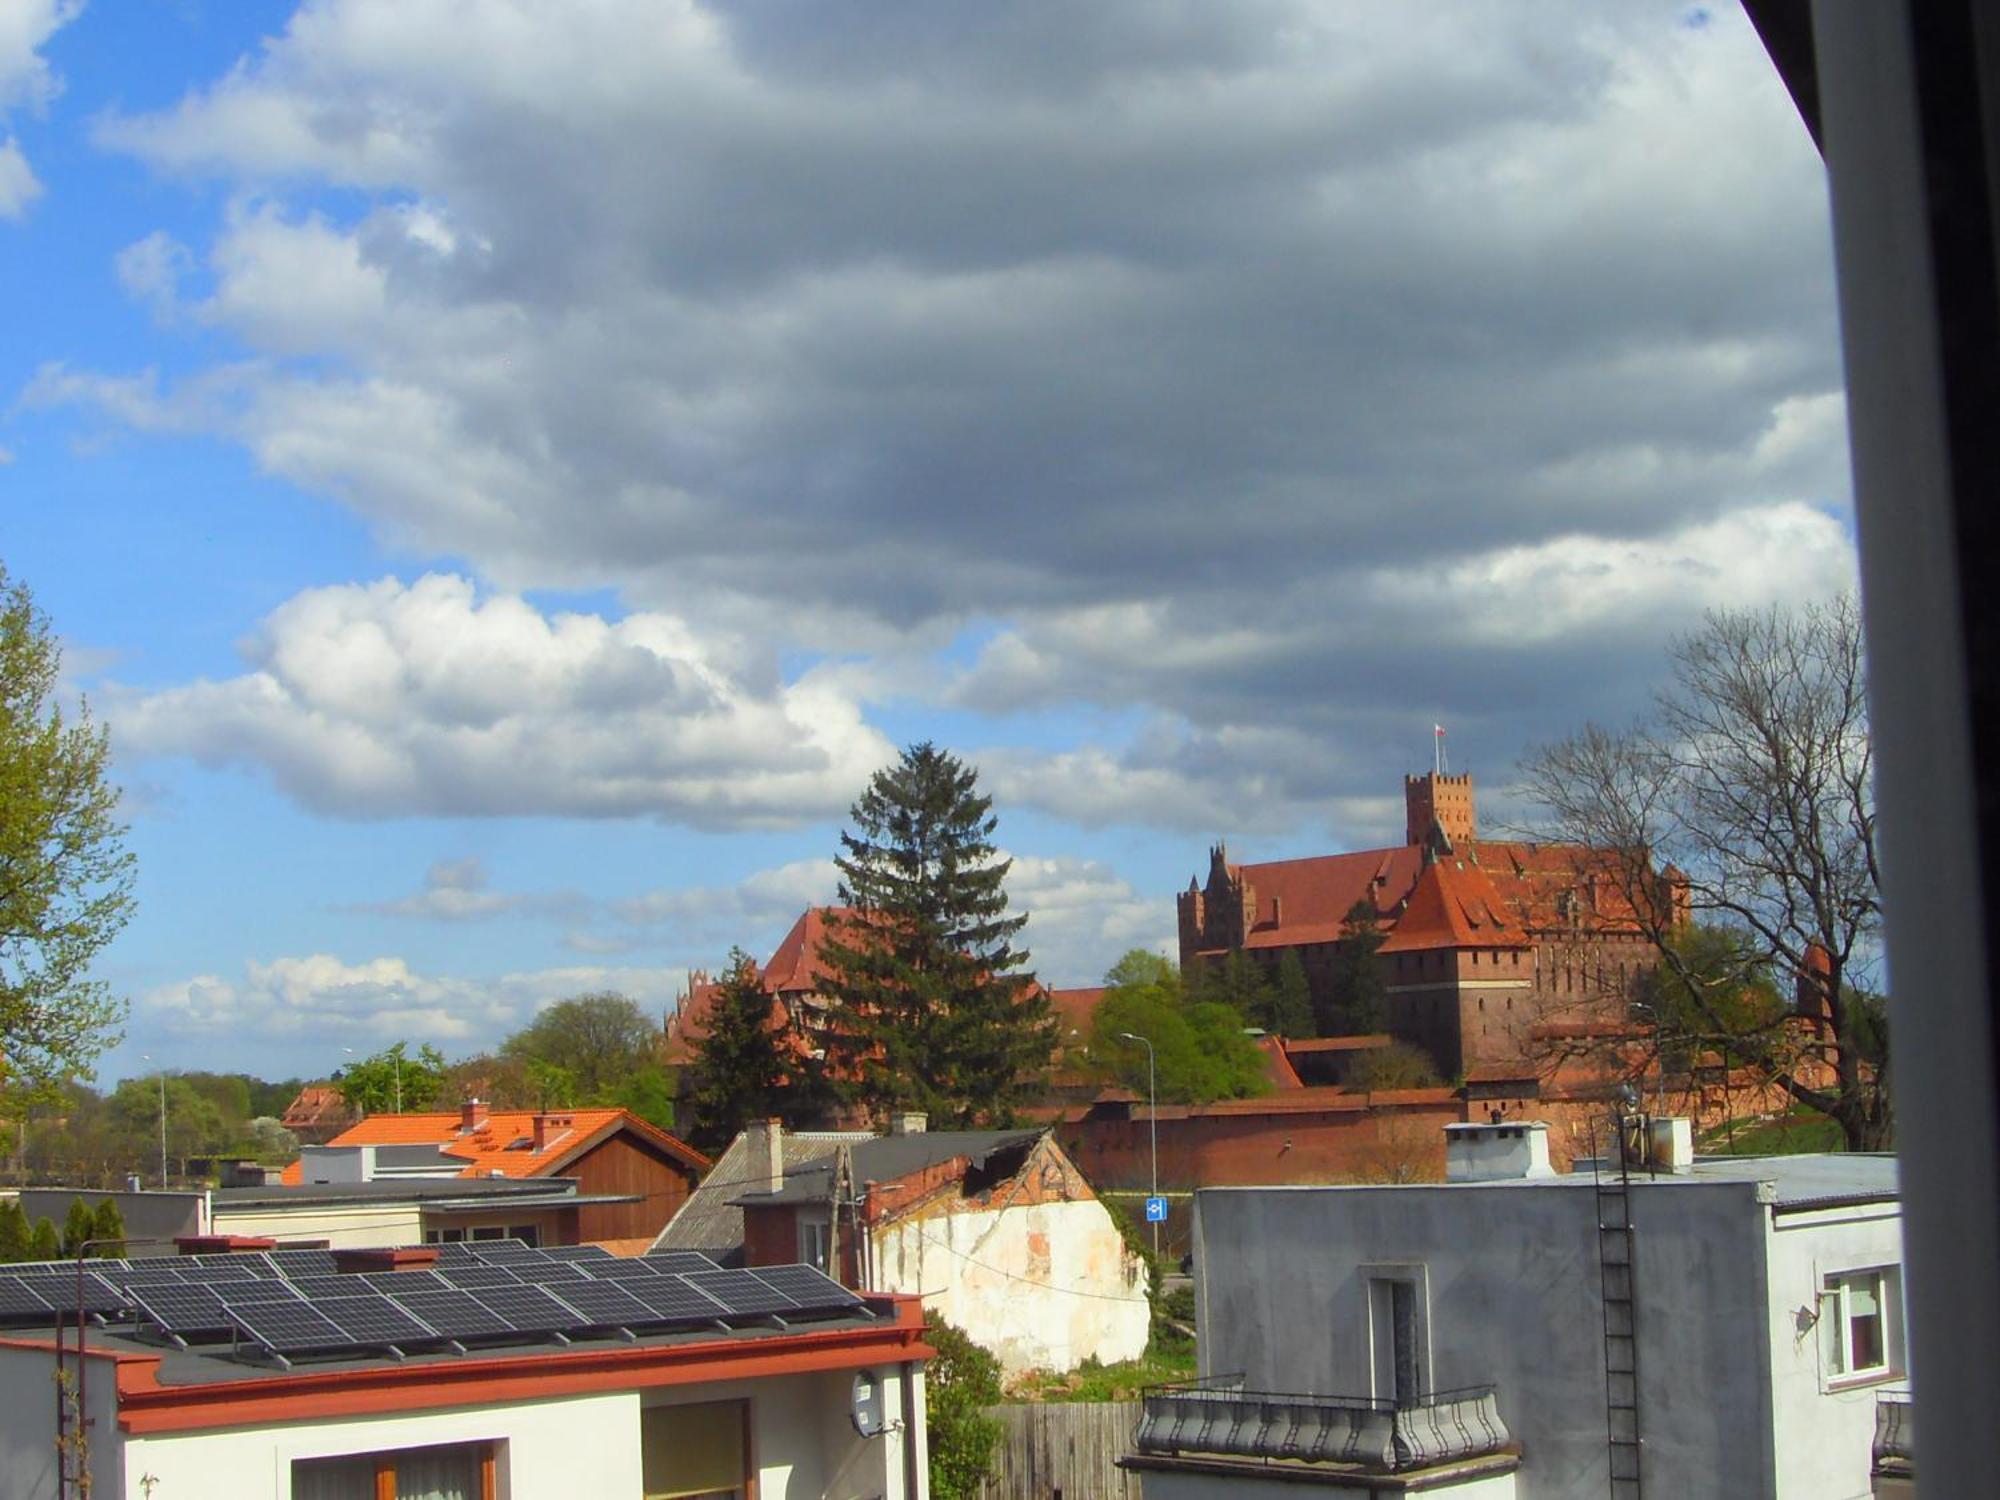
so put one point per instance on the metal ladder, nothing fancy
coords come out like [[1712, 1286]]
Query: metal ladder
[[1621, 1318]]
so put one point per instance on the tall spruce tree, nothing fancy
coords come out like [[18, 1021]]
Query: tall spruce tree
[[929, 1009], [1291, 1003], [1357, 1000], [740, 1073]]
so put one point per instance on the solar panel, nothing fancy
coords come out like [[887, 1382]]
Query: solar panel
[[678, 1262], [302, 1262], [146, 1272], [285, 1327], [560, 1272], [605, 1304], [578, 1252], [59, 1289], [456, 1315], [450, 1251], [238, 1263], [395, 1283], [503, 1250], [258, 1289], [312, 1288], [741, 1293], [530, 1309], [20, 1304], [475, 1276], [671, 1300], [187, 1312], [204, 1270], [813, 1290], [374, 1320], [624, 1268]]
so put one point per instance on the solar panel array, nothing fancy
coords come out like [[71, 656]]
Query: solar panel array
[[285, 1304]]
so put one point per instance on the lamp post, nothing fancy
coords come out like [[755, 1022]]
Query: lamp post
[[147, 1057], [1152, 1125]]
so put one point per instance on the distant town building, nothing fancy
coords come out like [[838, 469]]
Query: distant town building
[[1716, 1325], [317, 1114], [1486, 940], [630, 1175], [997, 1229]]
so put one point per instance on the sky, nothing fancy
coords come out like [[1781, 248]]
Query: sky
[[506, 475]]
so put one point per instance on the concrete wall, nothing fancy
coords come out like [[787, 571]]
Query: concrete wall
[[802, 1443], [159, 1217], [1044, 1286], [1824, 1430], [1511, 1283], [343, 1225]]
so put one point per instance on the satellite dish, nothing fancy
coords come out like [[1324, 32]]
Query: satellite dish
[[864, 1407]]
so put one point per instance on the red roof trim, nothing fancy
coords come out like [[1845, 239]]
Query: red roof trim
[[146, 1406]]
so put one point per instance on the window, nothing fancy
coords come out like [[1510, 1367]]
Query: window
[[1854, 1333], [527, 1234], [460, 1471], [695, 1452], [1397, 1338], [813, 1243]]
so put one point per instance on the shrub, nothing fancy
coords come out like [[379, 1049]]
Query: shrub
[[959, 1384]]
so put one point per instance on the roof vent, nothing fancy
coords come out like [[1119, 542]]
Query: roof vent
[[1497, 1152]]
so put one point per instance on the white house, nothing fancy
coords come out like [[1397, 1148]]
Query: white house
[[779, 1408], [1742, 1330]]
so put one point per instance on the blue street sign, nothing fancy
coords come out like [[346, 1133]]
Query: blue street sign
[[1156, 1210]]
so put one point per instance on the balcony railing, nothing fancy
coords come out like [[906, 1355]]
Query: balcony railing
[[1217, 1416], [1895, 1432]]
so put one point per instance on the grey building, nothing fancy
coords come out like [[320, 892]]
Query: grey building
[[1742, 1330]]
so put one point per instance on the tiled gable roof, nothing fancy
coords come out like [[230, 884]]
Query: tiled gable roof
[[503, 1144], [1454, 905]]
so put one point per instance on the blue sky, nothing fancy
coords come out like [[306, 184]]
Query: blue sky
[[507, 479]]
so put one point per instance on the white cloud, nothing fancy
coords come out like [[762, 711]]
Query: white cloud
[[26, 82], [1083, 917], [459, 890], [769, 895], [388, 699], [326, 999]]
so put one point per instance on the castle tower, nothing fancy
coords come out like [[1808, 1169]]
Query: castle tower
[[1443, 798]]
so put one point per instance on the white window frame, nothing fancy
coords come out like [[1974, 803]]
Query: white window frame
[[1835, 1322], [816, 1243]]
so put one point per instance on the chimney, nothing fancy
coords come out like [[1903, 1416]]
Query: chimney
[[1496, 1152], [1670, 1144], [909, 1122], [471, 1116], [551, 1127], [1277, 911], [767, 1154]]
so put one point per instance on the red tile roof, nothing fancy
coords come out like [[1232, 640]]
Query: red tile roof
[[503, 1143], [1278, 1069], [1454, 905], [1074, 1010]]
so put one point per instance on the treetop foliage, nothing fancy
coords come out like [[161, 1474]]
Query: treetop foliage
[[929, 1008], [597, 1039], [741, 1072], [392, 1081], [65, 875], [1202, 1052]]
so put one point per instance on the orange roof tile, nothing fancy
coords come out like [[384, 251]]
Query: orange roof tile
[[504, 1141], [1074, 1009], [1454, 905], [1278, 1069]]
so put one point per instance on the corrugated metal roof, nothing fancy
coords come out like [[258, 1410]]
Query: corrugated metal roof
[[710, 1221]]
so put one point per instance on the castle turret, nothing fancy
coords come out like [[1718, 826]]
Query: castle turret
[[1438, 798]]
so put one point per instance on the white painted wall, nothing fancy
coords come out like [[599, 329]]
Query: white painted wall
[[343, 1226], [1824, 1433], [803, 1444], [1728, 1401], [1043, 1286]]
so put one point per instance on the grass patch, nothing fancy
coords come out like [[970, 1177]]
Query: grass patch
[[1796, 1131], [1092, 1381]]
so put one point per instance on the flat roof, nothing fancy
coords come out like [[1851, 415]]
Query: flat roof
[[513, 1190], [1797, 1183]]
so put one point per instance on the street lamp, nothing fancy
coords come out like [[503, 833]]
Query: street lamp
[[147, 1057], [1152, 1126]]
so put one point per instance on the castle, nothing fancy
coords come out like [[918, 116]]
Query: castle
[[1492, 948]]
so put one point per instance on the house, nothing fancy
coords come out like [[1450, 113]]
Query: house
[[996, 1230], [273, 1383], [630, 1175], [1484, 939], [316, 1114], [1726, 1325]]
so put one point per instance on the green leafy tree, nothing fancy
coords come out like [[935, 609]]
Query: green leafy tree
[[960, 1383], [930, 1009], [65, 876], [1239, 982], [15, 1234], [649, 1094], [1201, 1050], [45, 1243], [1357, 993], [1396, 1066], [1291, 1013], [109, 1228], [379, 1084], [597, 1038], [740, 1070]]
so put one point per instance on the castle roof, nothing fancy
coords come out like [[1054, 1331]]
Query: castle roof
[[1455, 905]]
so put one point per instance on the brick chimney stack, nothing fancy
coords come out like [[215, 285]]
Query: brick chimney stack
[[471, 1116]]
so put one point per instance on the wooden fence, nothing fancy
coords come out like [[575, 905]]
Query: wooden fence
[[1063, 1450]]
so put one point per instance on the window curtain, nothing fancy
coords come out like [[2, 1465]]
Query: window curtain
[[334, 1479], [438, 1474]]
